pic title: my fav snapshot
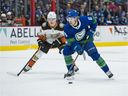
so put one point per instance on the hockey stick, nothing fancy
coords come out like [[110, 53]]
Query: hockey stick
[[27, 62], [84, 56], [65, 75], [75, 59]]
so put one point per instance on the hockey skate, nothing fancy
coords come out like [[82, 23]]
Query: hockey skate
[[69, 75], [27, 68], [72, 72], [109, 74]]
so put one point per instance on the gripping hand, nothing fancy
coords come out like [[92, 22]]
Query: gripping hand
[[40, 42], [78, 49], [61, 49], [90, 34]]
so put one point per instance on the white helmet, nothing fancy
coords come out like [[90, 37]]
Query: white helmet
[[51, 14], [3, 15], [9, 13]]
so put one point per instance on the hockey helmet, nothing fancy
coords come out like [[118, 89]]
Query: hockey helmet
[[9, 13], [51, 15], [3, 15], [72, 13]]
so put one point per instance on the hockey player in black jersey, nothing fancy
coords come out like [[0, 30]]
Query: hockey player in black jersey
[[50, 34]]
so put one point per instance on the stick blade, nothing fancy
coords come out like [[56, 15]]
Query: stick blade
[[12, 74]]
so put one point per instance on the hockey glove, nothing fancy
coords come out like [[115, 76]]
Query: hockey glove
[[42, 37], [40, 42], [90, 34], [78, 49], [61, 49], [58, 43]]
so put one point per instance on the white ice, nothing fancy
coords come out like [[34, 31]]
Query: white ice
[[46, 77]]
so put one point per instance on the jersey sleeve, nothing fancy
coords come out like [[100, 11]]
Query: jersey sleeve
[[41, 35], [67, 32], [91, 22], [68, 35]]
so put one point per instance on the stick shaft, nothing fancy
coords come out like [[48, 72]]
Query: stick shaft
[[27, 62]]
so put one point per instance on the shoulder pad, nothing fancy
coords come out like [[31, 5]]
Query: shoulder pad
[[61, 25]]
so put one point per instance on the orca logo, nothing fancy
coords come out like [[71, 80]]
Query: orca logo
[[80, 35]]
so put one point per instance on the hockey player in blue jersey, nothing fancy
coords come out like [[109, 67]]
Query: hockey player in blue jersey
[[79, 33]]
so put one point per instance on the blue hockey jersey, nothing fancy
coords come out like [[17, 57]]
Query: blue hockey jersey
[[79, 33]]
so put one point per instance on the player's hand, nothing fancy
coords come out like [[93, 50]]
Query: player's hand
[[40, 43], [90, 34], [61, 48], [42, 37], [78, 49]]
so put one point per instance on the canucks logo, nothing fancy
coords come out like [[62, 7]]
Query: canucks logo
[[80, 35]]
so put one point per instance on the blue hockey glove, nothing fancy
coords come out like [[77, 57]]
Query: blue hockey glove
[[78, 49], [40, 43], [90, 34]]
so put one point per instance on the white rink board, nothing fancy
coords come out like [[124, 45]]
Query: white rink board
[[111, 34], [14, 36]]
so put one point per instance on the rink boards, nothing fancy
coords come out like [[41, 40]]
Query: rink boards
[[23, 38]]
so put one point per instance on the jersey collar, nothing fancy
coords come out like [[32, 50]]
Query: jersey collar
[[77, 27]]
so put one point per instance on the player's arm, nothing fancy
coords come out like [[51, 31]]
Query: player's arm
[[70, 39], [42, 33], [74, 44], [60, 43], [60, 40], [91, 21], [42, 43], [41, 37]]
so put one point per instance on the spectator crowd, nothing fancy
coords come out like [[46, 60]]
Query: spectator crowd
[[106, 12]]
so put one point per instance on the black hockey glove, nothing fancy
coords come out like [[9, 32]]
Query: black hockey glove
[[61, 48], [40, 42], [59, 44]]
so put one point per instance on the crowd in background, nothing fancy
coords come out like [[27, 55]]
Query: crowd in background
[[106, 12]]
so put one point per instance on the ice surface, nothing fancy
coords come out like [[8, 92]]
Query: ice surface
[[46, 77]]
